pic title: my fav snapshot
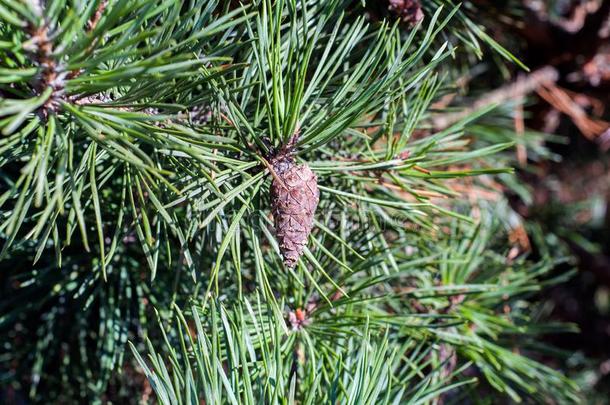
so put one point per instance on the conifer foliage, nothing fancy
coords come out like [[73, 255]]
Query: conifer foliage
[[255, 198]]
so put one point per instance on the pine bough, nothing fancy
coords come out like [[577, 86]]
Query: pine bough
[[136, 161]]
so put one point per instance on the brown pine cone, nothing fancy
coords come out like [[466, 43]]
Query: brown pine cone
[[294, 199]]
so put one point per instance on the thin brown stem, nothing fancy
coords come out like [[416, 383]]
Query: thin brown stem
[[515, 90]]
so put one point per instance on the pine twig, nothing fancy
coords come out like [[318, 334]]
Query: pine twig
[[41, 48], [91, 24], [591, 128], [515, 90]]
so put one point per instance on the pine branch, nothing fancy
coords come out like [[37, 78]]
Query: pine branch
[[141, 143]]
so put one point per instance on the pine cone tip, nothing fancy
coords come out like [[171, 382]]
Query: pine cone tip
[[409, 11]]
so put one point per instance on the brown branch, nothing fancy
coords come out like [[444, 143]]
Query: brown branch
[[564, 102], [97, 16], [520, 130], [91, 24], [515, 90], [41, 49]]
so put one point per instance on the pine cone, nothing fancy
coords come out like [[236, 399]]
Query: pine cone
[[294, 199], [409, 11]]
